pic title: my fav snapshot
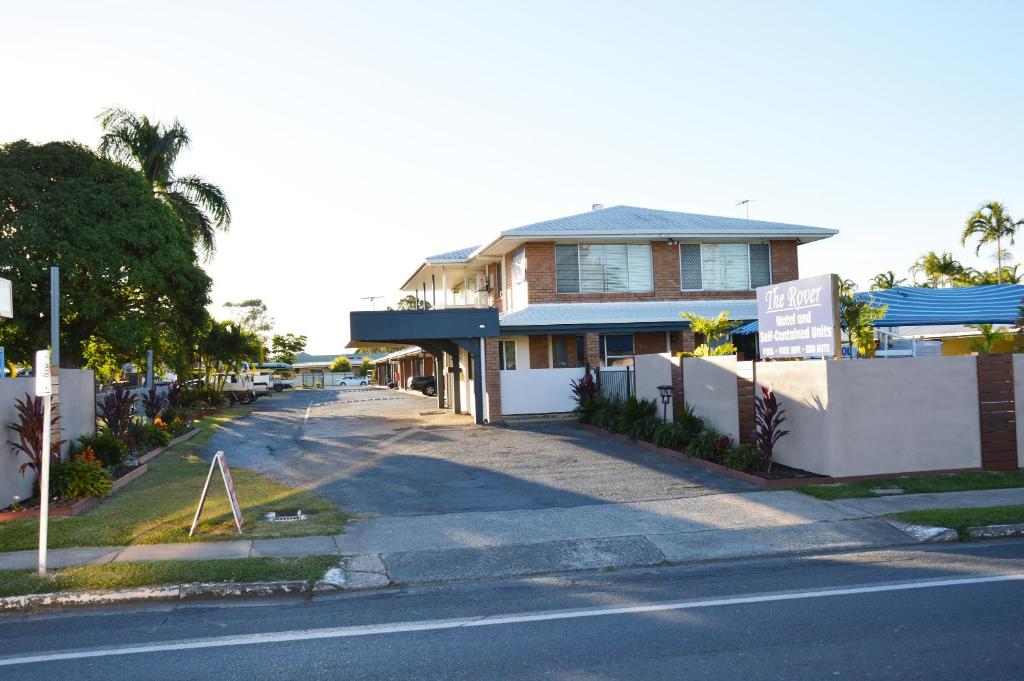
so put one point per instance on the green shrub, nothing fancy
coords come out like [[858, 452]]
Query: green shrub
[[110, 450], [643, 429], [203, 396], [588, 408], [79, 477], [632, 411], [692, 423], [172, 414], [146, 437], [671, 436], [606, 412], [744, 458], [709, 445]]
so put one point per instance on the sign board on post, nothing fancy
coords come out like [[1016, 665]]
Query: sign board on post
[[6, 299], [44, 390], [42, 370], [219, 460], [799, 318]]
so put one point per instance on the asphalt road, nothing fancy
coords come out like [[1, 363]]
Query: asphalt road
[[945, 612]]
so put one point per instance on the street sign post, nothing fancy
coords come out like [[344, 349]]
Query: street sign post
[[44, 389], [6, 299]]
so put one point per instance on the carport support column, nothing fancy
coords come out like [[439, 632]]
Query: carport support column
[[440, 377], [456, 385], [478, 381]]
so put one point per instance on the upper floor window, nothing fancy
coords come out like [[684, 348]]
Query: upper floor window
[[603, 268], [518, 262], [724, 267]]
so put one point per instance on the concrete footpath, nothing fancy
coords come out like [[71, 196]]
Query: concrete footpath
[[491, 544]]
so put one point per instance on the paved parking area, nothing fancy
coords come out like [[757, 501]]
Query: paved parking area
[[384, 453]]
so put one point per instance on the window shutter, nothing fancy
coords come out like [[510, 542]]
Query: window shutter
[[689, 267], [640, 269], [616, 268], [567, 268], [760, 265], [725, 267], [591, 268]]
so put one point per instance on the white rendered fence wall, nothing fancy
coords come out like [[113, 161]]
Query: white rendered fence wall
[[538, 391], [653, 371]]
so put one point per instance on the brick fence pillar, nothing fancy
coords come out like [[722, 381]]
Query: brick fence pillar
[[592, 347], [492, 380]]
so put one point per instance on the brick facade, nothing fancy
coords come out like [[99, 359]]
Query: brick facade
[[592, 348], [540, 274], [492, 378], [539, 352], [650, 343]]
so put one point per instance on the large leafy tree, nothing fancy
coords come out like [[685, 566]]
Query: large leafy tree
[[991, 223], [129, 274], [283, 348], [153, 147]]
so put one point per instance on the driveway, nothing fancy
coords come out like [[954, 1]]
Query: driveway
[[440, 498]]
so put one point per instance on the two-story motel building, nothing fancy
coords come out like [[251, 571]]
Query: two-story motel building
[[514, 320]]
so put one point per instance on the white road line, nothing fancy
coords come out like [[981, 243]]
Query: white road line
[[489, 621]]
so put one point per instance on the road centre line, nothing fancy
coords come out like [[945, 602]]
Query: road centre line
[[491, 620]]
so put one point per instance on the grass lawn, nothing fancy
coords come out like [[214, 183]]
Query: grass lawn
[[157, 508], [954, 482], [962, 518], [125, 575]]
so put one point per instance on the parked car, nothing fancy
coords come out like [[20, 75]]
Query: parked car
[[352, 380], [425, 384], [281, 384]]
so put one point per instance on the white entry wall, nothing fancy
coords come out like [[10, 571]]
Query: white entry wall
[[538, 391]]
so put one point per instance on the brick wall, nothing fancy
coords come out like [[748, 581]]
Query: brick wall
[[785, 264], [683, 341], [540, 274], [539, 352], [492, 378], [649, 343]]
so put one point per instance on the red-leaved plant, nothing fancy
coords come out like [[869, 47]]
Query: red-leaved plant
[[29, 428], [115, 410], [153, 402], [768, 419], [583, 388]]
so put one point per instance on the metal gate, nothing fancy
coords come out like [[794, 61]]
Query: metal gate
[[617, 382]]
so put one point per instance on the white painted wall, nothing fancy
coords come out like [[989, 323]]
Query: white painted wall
[[850, 418], [538, 391], [652, 371], [77, 417], [709, 386]]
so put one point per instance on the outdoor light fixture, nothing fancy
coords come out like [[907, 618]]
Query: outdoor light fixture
[[671, 242], [666, 396]]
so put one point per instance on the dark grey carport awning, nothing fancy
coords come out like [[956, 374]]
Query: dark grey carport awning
[[436, 331]]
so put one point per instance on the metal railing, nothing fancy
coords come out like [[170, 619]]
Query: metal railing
[[617, 382]]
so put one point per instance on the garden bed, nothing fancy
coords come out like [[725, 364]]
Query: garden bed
[[781, 477], [60, 508]]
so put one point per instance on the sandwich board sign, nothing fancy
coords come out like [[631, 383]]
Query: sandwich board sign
[[799, 318], [220, 460]]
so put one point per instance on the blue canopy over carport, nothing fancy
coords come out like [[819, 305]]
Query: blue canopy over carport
[[914, 306]]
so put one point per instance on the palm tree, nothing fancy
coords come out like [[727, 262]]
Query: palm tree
[[991, 223], [152, 148], [989, 338], [938, 269], [886, 280]]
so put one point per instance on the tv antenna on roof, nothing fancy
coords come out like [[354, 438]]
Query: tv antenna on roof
[[373, 305], [746, 202]]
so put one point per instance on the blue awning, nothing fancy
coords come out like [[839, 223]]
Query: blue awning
[[913, 306]]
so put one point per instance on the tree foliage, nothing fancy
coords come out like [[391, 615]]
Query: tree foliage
[[857, 317], [713, 329], [341, 364], [129, 273], [989, 338], [152, 148], [886, 280], [991, 223], [283, 348], [411, 302]]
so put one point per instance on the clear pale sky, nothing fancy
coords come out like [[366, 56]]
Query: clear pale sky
[[354, 138]]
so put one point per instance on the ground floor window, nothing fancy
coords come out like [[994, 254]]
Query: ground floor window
[[560, 351], [617, 349], [507, 355]]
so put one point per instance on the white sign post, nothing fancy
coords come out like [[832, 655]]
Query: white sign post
[[6, 299], [44, 389]]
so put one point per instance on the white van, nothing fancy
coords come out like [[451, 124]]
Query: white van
[[262, 381]]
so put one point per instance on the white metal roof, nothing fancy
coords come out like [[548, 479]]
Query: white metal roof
[[553, 314]]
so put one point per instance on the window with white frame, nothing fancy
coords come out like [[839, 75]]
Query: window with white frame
[[506, 355], [518, 262], [617, 349], [724, 267], [603, 268]]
